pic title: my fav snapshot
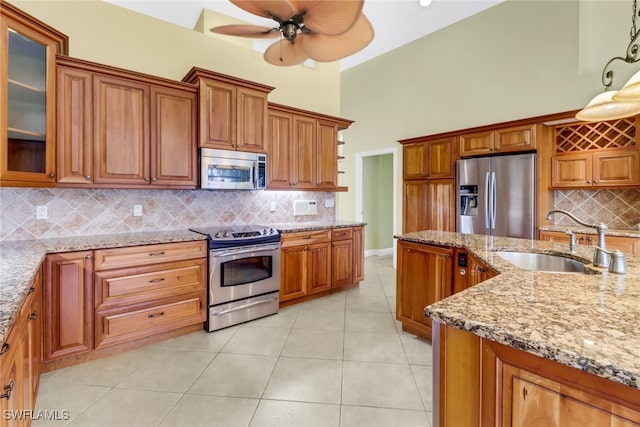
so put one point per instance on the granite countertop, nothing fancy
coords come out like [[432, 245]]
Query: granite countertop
[[292, 227], [19, 261], [585, 321], [622, 232]]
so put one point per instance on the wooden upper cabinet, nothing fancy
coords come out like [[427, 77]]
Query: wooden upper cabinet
[[121, 129], [27, 100], [511, 139], [173, 131], [596, 155], [430, 159], [233, 112], [302, 149], [75, 126], [429, 205]]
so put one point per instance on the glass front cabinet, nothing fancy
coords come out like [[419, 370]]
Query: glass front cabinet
[[27, 98]]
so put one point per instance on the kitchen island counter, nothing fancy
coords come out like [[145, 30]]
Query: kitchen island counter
[[585, 321], [20, 259]]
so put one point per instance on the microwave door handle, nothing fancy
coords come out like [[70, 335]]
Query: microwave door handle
[[255, 174]]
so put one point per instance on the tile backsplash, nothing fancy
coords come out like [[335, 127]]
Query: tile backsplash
[[616, 208], [72, 212]]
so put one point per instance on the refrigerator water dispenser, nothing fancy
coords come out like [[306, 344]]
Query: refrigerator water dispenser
[[469, 200]]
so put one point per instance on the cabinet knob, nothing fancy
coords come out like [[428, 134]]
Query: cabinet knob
[[4, 348], [588, 182], [88, 177], [88, 257], [146, 178], [33, 315], [52, 175], [154, 179]]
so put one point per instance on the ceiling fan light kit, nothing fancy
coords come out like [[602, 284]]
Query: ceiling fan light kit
[[323, 30], [611, 104]]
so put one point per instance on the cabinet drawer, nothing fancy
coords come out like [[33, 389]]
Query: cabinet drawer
[[136, 256], [135, 285], [341, 234], [113, 328], [306, 238]]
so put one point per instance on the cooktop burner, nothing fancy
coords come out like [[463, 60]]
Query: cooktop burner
[[230, 236]]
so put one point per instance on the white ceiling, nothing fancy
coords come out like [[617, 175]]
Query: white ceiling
[[396, 22]]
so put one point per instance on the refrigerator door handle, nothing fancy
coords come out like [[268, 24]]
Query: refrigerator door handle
[[488, 200], [494, 202]]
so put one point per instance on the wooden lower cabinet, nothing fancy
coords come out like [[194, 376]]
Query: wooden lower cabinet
[[629, 245], [358, 254], [483, 383], [68, 304], [21, 360], [102, 298], [424, 276], [342, 257]]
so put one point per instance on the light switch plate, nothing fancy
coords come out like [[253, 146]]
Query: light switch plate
[[329, 203], [42, 212], [137, 210], [305, 207]]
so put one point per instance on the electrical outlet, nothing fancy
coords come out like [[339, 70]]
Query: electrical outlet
[[329, 203], [41, 212], [137, 210], [272, 206]]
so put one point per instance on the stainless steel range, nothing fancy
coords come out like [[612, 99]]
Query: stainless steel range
[[244, 274]]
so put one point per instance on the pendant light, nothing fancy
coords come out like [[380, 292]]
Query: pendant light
[[612, 105]]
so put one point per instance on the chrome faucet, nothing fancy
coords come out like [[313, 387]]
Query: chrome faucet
[[600, 256]]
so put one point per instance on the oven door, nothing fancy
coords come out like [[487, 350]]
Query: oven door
[[217, 173], [243, 272]]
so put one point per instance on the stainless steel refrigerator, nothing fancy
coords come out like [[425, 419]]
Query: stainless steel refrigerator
[[496, 195]]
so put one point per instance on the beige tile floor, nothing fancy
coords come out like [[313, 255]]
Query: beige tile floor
[[341, 360]]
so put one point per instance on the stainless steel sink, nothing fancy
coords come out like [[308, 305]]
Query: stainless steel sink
[[542, 262]]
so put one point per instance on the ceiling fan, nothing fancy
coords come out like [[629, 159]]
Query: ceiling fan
[[323, 30]]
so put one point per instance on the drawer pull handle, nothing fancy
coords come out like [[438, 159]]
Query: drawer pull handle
[[32, 290], [33, 315], [4, 348], [156, 280], [156, 253], [151, 316], [7, 391], [306, 237]]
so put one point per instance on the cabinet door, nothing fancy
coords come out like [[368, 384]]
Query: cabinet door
[[32, 342], [423, 277], [477, 143], [303, 153], [173, 132], [318, 268], [342, 263], [68, 304], [571, 170], [217, 114], [326, 155], [616, 168], [251, 120], [521, 138], [75, 126], [441, 158], [292, 272], [479, 271], [630, 245], [27, 101], [12, 375], [280, 149], [121, 131], [414, 161], [440, 205], [358, 254], [415, 200]]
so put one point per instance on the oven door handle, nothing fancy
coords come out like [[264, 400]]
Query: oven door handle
[[242, 307], [245, 250]]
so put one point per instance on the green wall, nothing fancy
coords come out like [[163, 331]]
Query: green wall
[[377, 201], [515, 60]]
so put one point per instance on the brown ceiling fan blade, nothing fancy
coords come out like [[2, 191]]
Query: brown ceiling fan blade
[[280, 9], [284, 53], [330, 17], [252, 31], [323, 48]]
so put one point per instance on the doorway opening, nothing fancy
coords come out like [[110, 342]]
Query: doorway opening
[[376, 201]]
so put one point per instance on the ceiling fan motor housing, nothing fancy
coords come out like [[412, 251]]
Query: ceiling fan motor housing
[[290, 30]]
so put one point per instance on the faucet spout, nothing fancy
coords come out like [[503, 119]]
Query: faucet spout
[[600, 255]]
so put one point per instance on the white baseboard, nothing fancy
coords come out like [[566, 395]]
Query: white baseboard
[[378, 252]]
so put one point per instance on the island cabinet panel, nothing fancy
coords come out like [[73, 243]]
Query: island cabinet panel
[[424, 276], [484, 383], [68, 304]]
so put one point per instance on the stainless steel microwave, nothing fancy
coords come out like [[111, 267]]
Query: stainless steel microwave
[[232, 170]]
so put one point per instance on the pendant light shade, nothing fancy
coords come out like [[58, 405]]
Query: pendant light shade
[[630, 91], [603, 107]]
